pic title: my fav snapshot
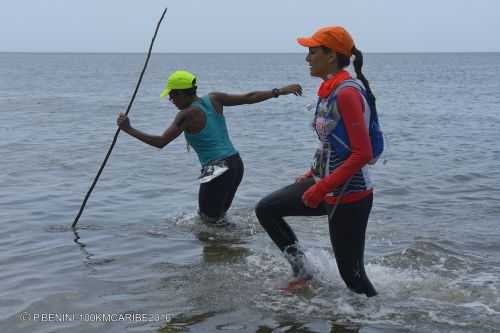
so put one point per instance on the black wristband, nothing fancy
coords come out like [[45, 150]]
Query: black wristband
[[276, 92]]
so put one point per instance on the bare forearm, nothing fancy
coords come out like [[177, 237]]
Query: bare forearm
[[153, 140], [255, 96], [258, 96]]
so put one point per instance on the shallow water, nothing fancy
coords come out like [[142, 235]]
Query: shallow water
[[433, 239]]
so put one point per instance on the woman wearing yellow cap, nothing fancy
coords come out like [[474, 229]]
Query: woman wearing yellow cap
[[204, 126], [337, 184]]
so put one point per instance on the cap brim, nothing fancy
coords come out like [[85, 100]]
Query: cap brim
[[165, 92], [308, 42]]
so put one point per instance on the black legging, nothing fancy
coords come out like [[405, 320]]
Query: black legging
[[347, 230], [216, 196]]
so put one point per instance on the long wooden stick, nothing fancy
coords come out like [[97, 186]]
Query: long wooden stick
[[118, 130]]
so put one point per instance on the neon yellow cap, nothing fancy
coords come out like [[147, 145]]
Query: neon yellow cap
[[178, 80]]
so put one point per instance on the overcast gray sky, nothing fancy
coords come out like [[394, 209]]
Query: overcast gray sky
[[247, 26]]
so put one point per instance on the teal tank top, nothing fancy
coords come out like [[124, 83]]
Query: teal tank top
[[212, 142]]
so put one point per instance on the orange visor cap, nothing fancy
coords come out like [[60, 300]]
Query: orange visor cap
[[335, 38]]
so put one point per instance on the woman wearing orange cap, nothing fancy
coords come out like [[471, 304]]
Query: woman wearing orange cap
[[337, 184], [204, 126]]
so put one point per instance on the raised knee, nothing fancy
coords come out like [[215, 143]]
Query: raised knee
[[263, 210]]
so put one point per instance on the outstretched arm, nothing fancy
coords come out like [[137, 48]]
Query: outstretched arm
[[173, 131], [224, 99]]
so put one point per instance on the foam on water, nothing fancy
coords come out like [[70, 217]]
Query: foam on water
[[239, 225], [405, 294]]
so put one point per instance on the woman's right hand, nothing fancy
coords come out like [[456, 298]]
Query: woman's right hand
[[123, 122], [302, 178], [295, 89]]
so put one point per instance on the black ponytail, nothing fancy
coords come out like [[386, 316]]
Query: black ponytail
[[358, 64]]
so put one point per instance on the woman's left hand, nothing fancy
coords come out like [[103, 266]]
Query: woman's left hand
[[295, 89]]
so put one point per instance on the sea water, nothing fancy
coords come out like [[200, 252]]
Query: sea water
[[142, 261]]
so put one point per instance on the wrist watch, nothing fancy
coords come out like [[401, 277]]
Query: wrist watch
[[276, 92]]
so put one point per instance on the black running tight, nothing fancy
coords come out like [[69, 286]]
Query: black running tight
[[216, 196], [347, 230]]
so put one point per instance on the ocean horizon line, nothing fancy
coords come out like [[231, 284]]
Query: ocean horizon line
[[239, 53]]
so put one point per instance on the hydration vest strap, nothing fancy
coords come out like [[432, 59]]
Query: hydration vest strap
[[358, 87]]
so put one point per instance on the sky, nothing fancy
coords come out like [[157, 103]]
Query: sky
[[212, 26]]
